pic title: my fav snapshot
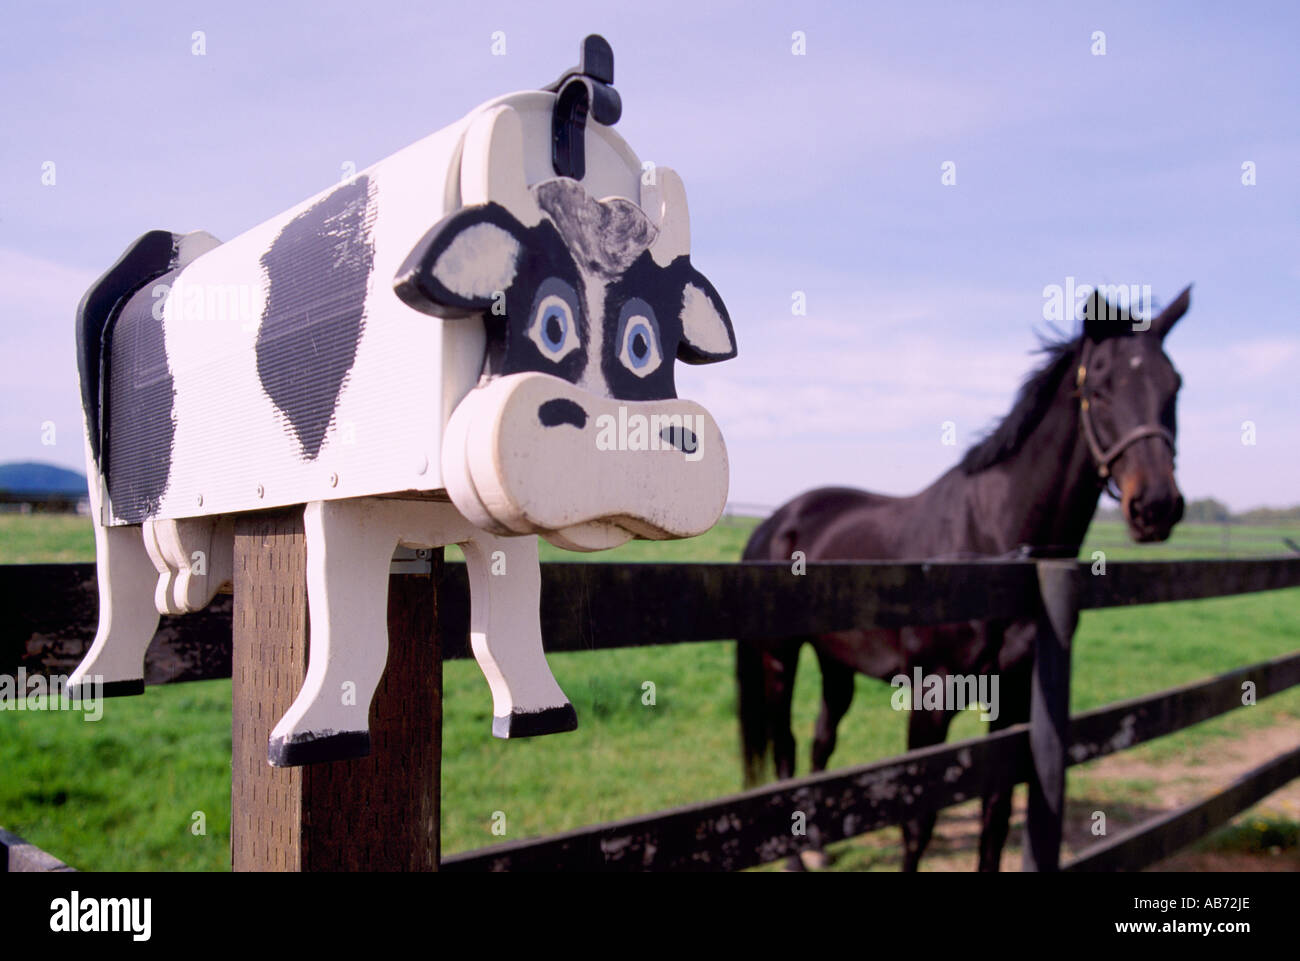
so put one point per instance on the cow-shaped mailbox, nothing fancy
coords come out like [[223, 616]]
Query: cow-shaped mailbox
[[455, 346]]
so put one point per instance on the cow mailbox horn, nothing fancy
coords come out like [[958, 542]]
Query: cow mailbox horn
[[586, 88]]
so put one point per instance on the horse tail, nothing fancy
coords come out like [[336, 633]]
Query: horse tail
[[751, 679]]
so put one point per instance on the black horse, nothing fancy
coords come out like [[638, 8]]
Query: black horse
[[1098, 414]]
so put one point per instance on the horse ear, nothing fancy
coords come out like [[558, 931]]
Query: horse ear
[[1099, 317], [1171, 314]]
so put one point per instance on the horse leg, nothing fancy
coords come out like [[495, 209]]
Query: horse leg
[[996, 815], [924, 728], [779, 671], [837, 695]]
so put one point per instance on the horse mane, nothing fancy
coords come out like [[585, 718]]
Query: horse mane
[[1032, 401]]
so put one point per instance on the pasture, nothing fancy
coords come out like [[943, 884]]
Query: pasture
[[122, 793]]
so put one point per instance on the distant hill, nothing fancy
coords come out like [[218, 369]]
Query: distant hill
[[42, 480]]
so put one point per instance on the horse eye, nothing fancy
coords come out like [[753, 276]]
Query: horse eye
[[553, 329]]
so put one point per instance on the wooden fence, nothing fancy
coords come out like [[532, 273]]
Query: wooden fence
[[598, 606]]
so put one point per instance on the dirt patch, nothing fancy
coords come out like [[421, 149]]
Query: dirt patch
[[1109, 786]]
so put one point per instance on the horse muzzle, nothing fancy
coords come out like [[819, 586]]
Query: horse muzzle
[[1151, 510]]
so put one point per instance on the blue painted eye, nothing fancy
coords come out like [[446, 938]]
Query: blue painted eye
[[555, 324], [638, 343], [638, 348], [553, 329]]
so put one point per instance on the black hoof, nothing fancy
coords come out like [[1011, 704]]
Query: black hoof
[[317, 748], [107, 689], [552, 720]]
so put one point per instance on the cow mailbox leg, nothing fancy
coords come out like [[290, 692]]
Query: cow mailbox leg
[[349, 549], [127, 616], [350, 544], [505, 582]]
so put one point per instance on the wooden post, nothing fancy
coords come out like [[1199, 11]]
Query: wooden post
[[378, 813], [1059, 585]]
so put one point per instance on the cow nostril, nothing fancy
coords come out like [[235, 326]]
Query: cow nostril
[[681, 438], [559, 411]]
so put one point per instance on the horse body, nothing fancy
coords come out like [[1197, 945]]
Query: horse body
[[1033, 483]]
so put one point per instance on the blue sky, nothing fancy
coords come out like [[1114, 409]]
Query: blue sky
[[818, 173]]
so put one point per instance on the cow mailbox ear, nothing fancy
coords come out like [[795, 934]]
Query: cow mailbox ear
[[465, 262], [707, 335]]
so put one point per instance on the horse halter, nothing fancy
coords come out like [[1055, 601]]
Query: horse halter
[[1104, 457]]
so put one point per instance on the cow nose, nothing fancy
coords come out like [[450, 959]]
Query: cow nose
[[561, 410]]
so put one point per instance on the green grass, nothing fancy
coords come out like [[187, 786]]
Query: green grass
[[45, 539], [120, 793], [1265, 835]]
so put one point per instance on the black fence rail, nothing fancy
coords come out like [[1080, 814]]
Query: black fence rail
[[51, 608], [603, 606]]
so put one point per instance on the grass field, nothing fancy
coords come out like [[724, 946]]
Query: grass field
[[123, 793]]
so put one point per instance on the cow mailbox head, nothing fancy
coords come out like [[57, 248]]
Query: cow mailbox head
[[575, 431]]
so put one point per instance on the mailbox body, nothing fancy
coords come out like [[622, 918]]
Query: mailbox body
[[280, 367]]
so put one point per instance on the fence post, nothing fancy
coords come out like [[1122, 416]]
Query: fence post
[[372, 814], [1049, 715]]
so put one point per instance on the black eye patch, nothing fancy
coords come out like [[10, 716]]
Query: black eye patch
[[544, 326], [643, 329]]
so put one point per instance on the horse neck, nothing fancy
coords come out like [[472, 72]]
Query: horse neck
[[1051, 490]]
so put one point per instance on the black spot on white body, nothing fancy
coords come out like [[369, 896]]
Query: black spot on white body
[[317, 273]]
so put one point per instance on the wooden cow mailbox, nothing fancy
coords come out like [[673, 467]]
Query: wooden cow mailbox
[[471, 342]]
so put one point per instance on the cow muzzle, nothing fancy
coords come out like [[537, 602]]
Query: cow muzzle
[[533, 454]]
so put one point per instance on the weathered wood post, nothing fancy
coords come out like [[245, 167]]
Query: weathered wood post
[[376, 813], [1059, 585]]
